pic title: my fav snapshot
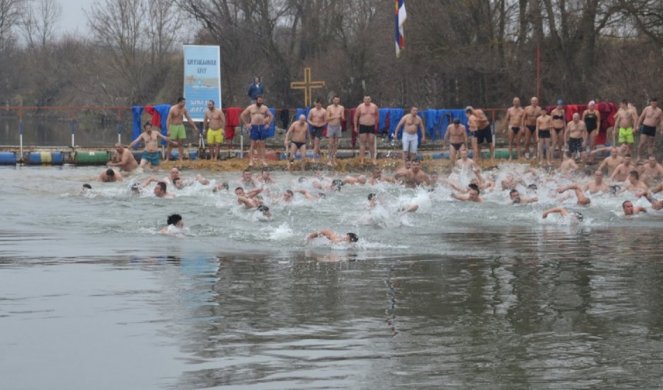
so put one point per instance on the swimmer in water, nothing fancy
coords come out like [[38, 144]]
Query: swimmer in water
[[574, 215], [333, 236], [248, 199], [598, 185], [265, 213], [472, 194], [517, 199], [110, 176], [630, 210], [582, 200], [655, 203], [175, 226]]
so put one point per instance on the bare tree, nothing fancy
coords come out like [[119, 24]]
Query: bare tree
[[137, 37], [38, 22]]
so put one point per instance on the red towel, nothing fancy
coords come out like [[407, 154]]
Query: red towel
[[232, 120], [156, 118]]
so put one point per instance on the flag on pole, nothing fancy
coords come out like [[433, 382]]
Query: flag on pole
[[400, 16]]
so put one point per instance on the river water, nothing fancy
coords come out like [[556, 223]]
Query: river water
[[455, 295]]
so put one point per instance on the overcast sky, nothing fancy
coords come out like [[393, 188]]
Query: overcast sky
[[73, 17]]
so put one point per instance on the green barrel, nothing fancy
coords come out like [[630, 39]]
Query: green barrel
[[100, 157], [502, 154]]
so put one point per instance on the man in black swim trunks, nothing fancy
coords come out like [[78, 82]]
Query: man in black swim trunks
[[480, 131], [296, 139], [649, 120], [530, 114], [455, 138], [365, 120], [513, 121], [317, 118]]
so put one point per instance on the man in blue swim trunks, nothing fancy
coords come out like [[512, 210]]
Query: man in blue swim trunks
[[258, 117], [151, 153]]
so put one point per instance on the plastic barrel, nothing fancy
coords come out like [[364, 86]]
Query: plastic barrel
[[92, 158], [193, 155], [345, 154], [440, 156], [502, 154], [7, 158], [44, 158]]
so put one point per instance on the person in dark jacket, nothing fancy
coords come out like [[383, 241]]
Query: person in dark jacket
[[256, 89]]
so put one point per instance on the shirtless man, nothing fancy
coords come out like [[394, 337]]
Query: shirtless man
[[247, 179], [258, 118], [517, 199], [630, 210], [480, 131], [419, 177], [472, 195], [465, 163], [576, 216], [575, 135], [622, 171], [125, 159], [598, 185], [455, 138], [110, 176], [214, 124], [634, 184], [248, 199], [530, 113], [411, 124], [611, 162], [649, 120], [655, 203], [161, 190], [150, 138], [317, 118], [265, 177], [335, 118], [625, 120], [544, 130], [332, 236], [365, 120], [558, 125], [568, 166], [651, 171], [296, 139], [175, 126], [513, 122], [582, 200]]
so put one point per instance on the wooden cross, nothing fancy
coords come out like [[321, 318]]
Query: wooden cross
[[307, 85]]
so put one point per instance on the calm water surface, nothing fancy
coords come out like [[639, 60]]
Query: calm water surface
[[463, 296]]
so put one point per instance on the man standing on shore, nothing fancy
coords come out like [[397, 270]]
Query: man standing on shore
[[175, 126], [214, 124], [649, 120], [530, 114], [317, 118], [480, 131], [151, 152], [625, 120], [411, 124], [455, 138], [296, 139], [335, 118], [258, 117], [365, 120], [514, 121]]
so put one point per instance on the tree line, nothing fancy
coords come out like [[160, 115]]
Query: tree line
[[458, 52]]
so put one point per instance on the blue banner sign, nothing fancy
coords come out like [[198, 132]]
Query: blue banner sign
[[202, 78]]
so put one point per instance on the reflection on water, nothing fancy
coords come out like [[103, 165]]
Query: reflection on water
[[550, 308]]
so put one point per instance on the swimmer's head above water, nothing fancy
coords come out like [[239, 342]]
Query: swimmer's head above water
[[352, 237]]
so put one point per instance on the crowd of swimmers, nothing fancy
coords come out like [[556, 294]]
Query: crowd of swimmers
[[618, 174]]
